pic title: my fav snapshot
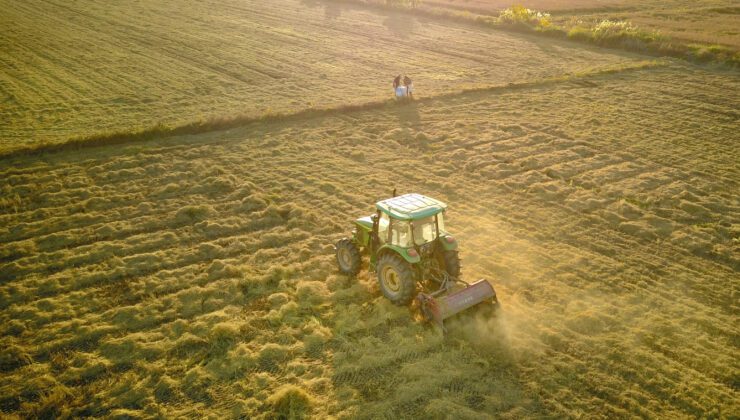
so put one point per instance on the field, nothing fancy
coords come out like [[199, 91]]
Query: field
[[707, 21], [83, 69], [193, 276]]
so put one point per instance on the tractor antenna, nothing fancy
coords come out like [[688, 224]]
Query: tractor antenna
[[394, 192]]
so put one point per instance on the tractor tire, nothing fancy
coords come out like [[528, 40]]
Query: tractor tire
[[348, 257], [451, 261], [396, 278]]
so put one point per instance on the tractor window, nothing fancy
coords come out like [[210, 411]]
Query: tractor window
[[383, 223], [400, 233], [441, 222], [424, 230]]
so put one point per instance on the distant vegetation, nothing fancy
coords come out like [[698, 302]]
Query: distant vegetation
[[403, 3], [603, 32], [614, 33], [194, 97], [520, 15]]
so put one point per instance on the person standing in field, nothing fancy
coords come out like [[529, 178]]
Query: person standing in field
[[396, 83], [409, 85]]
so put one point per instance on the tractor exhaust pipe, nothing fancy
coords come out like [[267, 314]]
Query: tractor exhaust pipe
[[437, 309]]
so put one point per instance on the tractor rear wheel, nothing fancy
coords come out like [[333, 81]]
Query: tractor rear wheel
[[452, 263], [396, 279], [348, 257]]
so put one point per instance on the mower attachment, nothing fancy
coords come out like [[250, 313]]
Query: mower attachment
[[437, 308]]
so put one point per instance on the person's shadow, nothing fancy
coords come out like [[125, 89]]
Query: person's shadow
[[407, 113]]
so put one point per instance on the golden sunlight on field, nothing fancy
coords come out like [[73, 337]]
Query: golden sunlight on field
[[89, 68], [194, 276]]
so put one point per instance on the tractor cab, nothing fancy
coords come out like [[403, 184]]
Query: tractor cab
[[408, 224], [410, 219]]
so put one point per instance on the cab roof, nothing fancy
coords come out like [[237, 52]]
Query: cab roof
[[411, 207]]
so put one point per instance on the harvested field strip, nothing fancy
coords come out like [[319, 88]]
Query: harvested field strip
[[76, 71], [612, 247], [224, 123]]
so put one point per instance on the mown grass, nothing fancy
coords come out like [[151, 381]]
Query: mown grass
[[194, 277], [201, 280], [86, 89]]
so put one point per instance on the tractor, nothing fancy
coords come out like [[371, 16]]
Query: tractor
[[414, 257]]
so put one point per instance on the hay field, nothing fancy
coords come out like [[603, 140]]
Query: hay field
[[193, 276], [81, 69]]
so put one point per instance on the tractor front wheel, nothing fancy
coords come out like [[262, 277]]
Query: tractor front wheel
[[348, 257], [396, 279]]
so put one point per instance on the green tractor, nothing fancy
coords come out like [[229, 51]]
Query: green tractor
[[414, 257]]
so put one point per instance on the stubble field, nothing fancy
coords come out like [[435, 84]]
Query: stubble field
[[193, 276]]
